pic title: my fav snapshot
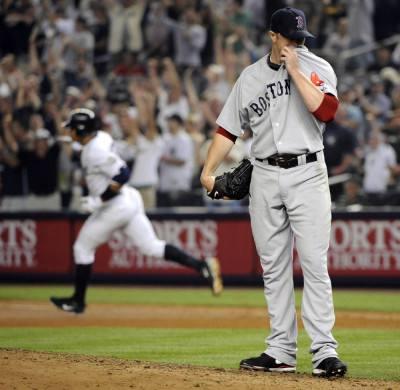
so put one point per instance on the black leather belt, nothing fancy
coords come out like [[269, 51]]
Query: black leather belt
[[288, 160]]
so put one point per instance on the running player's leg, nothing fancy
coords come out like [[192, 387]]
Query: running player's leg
[[310, 217], [141, 231], [274, 243], [142, 234], [96, 230]]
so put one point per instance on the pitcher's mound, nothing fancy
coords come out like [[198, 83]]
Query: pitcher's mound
[[21, 369]]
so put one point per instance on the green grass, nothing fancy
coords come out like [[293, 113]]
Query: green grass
[[369, 300], [370, 353]]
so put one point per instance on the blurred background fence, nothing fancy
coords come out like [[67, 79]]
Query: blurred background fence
[[36, 247]]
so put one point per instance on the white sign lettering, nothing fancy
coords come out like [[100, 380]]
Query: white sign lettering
[[359, 245], [18, 243], [199, 238]]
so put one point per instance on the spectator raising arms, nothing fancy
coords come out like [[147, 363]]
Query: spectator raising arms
[[138, 63], [177, 162]]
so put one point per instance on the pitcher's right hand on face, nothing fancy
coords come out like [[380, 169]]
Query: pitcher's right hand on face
[[290, 59]]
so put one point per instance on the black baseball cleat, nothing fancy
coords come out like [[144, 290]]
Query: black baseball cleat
[[69, 305], [330, 367], [211, 271], [267, 363]]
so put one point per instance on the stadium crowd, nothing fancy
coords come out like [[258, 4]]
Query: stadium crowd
[[157, 73]]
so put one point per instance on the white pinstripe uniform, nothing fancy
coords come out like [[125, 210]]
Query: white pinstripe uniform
[[123, 212], [110, 211]]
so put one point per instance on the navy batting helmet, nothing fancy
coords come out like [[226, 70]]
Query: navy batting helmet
[[82, 120]]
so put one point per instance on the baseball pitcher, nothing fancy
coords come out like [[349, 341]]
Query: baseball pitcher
[[286, 98]]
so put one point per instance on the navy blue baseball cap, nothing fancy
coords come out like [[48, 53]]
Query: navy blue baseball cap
[[291, 23]]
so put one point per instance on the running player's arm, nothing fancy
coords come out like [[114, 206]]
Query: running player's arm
[[118, 172], [323, 105], [116, 183]]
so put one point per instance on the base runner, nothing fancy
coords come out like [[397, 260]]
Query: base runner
[[115, 206]]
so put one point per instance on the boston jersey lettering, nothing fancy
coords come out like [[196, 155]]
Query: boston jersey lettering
[[273, 91]]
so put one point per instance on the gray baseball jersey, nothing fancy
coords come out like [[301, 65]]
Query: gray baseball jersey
[[288, 203], [268, 102]]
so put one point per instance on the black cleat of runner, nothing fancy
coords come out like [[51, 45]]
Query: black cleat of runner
[[69, 305]]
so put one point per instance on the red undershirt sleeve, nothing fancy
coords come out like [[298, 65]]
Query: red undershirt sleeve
[[226, 134], [327, 109]]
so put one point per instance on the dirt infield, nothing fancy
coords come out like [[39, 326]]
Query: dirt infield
[[36, 370], [37, 314]]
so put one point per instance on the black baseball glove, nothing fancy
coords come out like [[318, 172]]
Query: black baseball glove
[[233, 185]]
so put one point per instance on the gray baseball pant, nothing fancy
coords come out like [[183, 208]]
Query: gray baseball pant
[[287, 204]]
